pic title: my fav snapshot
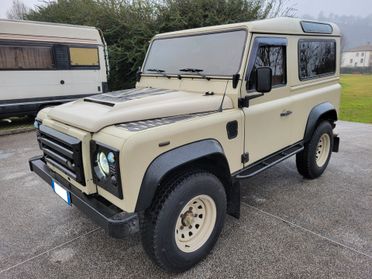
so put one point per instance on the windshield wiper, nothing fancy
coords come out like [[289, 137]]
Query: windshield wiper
[[194, 70], [159, 71]]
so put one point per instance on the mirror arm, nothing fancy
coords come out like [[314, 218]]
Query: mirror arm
[[244, 102], [138, 74]]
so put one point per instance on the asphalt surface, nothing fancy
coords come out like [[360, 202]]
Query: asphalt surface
[[289, 228]]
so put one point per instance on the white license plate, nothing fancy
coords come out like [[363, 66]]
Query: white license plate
[[65, 195]]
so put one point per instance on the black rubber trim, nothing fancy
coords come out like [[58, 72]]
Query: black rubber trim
[[169, 161], [315, 114], [114, 221]]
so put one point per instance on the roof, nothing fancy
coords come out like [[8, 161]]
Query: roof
[[43, 31], [279, 25], [367, 47]]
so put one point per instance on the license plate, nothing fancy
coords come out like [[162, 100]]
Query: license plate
[[65, 195]]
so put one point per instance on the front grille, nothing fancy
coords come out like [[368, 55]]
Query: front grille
[[63, 152]]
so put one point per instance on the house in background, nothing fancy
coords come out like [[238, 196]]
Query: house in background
[[357, 57]]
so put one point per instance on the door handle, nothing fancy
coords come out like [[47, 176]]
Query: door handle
[[286, 113]]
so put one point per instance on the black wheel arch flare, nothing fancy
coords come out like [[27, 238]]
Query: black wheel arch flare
[[171, 160], [324, 111]]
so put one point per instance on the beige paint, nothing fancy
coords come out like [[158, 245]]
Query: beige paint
[[92, 116], [261, 130]]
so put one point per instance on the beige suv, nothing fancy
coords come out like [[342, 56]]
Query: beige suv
[[212, 106]]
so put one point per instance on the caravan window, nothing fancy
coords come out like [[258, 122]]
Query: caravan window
[[84, 57], [26, 57]]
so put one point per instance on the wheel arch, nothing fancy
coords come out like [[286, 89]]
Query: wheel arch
[[205, 154], [323, 111]]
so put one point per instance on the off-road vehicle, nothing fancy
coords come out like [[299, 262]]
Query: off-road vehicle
[[212, 106]]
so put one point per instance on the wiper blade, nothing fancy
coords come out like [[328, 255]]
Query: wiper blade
[[159, 71], [194, 70]]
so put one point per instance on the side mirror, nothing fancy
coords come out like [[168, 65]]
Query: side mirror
[[264, 76]]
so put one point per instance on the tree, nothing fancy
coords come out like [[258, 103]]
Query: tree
[[17, 11], [129, 25]]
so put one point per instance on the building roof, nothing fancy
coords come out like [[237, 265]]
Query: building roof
[[367, 47], [279, 25]]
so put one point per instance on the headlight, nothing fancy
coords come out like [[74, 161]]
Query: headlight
[[105, 168]]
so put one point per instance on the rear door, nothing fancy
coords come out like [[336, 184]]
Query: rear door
[[269, 118]]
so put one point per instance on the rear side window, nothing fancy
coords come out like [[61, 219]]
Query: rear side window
[[270, 52], [26, 57], [316, 58]]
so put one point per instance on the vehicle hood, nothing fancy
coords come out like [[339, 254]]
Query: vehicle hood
[[102, 110]]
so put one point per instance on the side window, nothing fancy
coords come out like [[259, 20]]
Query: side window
[[316, 58], [268, 52], [18, 57], [84, 57]]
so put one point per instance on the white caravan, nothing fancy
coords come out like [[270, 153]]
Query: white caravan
[[43, 64]]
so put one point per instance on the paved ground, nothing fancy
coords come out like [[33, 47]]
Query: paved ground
[[290, 227]]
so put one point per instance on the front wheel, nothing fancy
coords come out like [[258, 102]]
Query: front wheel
[[314, 159], [185, 221]]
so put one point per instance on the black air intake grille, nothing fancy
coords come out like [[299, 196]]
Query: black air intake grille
[[63, 152]]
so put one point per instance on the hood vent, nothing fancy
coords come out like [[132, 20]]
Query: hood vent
[[99, 102], [111, 98]]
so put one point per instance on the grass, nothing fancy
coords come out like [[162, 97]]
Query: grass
[[356, 98]]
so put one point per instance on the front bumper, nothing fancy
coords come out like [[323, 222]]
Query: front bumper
[[115, 222]]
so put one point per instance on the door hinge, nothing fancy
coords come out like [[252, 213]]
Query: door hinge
[[245, 157]]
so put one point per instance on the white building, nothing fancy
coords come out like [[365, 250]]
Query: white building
[[357, 57]]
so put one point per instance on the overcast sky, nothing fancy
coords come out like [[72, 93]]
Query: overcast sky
[[309, 7]]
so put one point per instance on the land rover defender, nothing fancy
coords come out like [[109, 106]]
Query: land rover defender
[[212, 106]]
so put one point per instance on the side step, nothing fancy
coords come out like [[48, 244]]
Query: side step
[[270, 161]]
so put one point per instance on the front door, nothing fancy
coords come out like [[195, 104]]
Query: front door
[[268, 118]]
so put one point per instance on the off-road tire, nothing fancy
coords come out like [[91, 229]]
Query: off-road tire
[[158, 223], [306, 160]]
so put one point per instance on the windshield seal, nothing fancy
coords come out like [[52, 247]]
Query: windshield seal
[[186, 74]]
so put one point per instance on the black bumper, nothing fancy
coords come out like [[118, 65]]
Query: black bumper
[[115, 222]]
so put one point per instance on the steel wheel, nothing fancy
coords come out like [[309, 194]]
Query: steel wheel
[[195, 223], [322, 150]]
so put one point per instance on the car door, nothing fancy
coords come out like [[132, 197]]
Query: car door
[[269, 117]]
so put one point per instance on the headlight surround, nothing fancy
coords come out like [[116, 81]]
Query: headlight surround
[[105, 168]]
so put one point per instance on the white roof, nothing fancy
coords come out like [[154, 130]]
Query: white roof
[[55, 32]]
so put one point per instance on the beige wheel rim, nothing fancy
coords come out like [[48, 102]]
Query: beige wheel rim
[[322, 150], [195, 223]]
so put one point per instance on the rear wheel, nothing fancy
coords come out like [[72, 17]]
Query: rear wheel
[[185, 221], [314, 159]]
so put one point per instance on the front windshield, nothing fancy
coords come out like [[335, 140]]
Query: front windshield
[[217, 54]]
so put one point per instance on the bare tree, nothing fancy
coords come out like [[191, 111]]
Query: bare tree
[[17, 11]]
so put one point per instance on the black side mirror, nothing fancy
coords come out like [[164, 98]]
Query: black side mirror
[[264, 76], [138, 74]]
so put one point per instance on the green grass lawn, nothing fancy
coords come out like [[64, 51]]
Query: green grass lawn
[[356, 98]]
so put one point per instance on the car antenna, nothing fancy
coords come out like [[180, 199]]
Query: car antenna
[[223, 98]]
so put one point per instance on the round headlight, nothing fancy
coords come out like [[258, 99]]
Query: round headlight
[[103, 163]]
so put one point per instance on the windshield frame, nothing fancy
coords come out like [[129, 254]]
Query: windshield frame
[[196, 75]]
